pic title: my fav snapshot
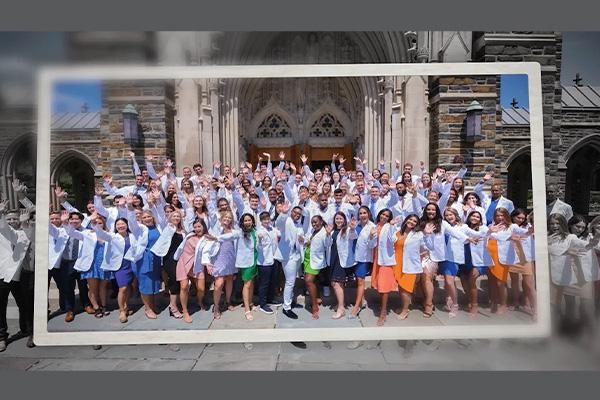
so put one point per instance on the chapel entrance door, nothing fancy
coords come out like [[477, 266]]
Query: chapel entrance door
[[318, 156]]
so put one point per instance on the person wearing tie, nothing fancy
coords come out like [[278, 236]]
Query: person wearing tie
[[70, 276], [14, 245]]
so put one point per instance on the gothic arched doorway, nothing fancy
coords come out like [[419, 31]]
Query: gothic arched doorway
[[74, 173], [519, 188], [19, 163], [582, 190]]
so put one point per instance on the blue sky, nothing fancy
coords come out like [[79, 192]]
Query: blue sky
[[514, 86], [70, 96]]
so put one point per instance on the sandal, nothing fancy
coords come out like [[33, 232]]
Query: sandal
[[427, 314], [150, 314], [402, 316], [216, 312], [338, 315], [129, 312], [99, 313], [248, 315], [123, 316], [175, 313]]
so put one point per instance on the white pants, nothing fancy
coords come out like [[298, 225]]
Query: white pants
[[291, 267]]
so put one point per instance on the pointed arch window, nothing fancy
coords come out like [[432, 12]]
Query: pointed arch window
[[327, 126], [274, 126]]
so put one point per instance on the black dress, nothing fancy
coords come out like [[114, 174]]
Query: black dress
[[170, 265], [338, 274]]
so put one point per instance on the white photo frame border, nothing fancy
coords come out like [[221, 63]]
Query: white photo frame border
[[47, 76]]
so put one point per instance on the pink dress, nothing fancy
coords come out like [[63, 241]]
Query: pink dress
[[185, 264]]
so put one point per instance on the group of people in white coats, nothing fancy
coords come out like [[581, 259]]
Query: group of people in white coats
[[574, 253], [273, 225]]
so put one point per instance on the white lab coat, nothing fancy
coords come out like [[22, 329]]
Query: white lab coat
[[56, 245], [11, 260], [289, 247], [244, 247], [344, 248], [267, 245], [386, 254], [364, 244], [480, 257], [561, 253], [318, 250], [506, 248], [161, 246], [411, 251], [114, 253], [87, 241]]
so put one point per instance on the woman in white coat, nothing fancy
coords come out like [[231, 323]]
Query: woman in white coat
[[187, 255], [384, 259], [89, 264], [477, 259], [165, 247], [432, 257], [118, 258], [340, 246], [315, 258], [363, 255], [408, 246]]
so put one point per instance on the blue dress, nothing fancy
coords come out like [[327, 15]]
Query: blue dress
[[95, 272], [124, 275], [147, 269]]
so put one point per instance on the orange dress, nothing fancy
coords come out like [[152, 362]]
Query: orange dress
[[382, 276], [405, 281], [499, 270]]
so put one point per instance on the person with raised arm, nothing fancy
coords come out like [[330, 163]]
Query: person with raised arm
[[315, 258], [292, 224], [222, 266], [89, 264], [119, 255], [267, 247], [554, 205], [14, 245], [187, 255], [477, 259], [341, 244], [57, 242], [111, 213], [503, 235], [384, 259], [408, 246], [147, 267], [496, 200]]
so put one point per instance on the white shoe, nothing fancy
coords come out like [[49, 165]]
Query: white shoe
[[326, 291]]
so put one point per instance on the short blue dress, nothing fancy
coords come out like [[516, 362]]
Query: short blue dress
[[147, 269], [468, 265], [96, 272], [124, 275]]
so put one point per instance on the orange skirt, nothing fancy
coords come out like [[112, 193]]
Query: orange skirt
[[405, 281], [499, 270], [382, 278]]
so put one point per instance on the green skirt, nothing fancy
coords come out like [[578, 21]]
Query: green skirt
[[306, 263], [249, 273]]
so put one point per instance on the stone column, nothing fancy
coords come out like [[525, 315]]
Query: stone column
[[188, 139]]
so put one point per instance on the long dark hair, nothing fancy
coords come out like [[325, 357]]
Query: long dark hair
[[516, 212], [417, 227], [475, 228], [575, 219], [385, 210], [477, 198], [345, 226], [201, 222], [437, 221], [245, 230], [126, 223], [368, 212]]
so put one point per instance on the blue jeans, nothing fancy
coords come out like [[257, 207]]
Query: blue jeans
[[266, 284]]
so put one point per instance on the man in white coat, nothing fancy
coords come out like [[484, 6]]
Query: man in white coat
[[554, 205], [496, 200], [14, 245]]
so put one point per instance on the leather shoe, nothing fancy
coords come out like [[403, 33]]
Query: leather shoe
[[2, 345], [69, 316], [30, 343], [90, 310], [290, 314]]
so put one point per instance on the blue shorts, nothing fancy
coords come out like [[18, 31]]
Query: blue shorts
[[362, 269], [447, 268], [464, 269]]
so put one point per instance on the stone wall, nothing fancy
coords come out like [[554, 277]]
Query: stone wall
[[153, 100], [449, 99]]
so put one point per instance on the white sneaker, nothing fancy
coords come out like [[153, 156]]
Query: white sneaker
[[326, 291]]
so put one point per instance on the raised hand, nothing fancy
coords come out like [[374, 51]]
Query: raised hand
[[217, 164], [130, 200], [396, 220], [373, 233], [267, 155], [60, 193], [429, 228], [131, 154], [341, 159], [260, 158], [64, 217], [99, 190], [168, 163], [3, 206], [365, 161], [149, 158], [352, 223], [281, 155], [121, 202], [248, 165], [107, 178], [24, 215], [422, 165], [329, 228], [381, 161], [488, 175], [334, 156], [18, 186], [303, 158], [293, 167]]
